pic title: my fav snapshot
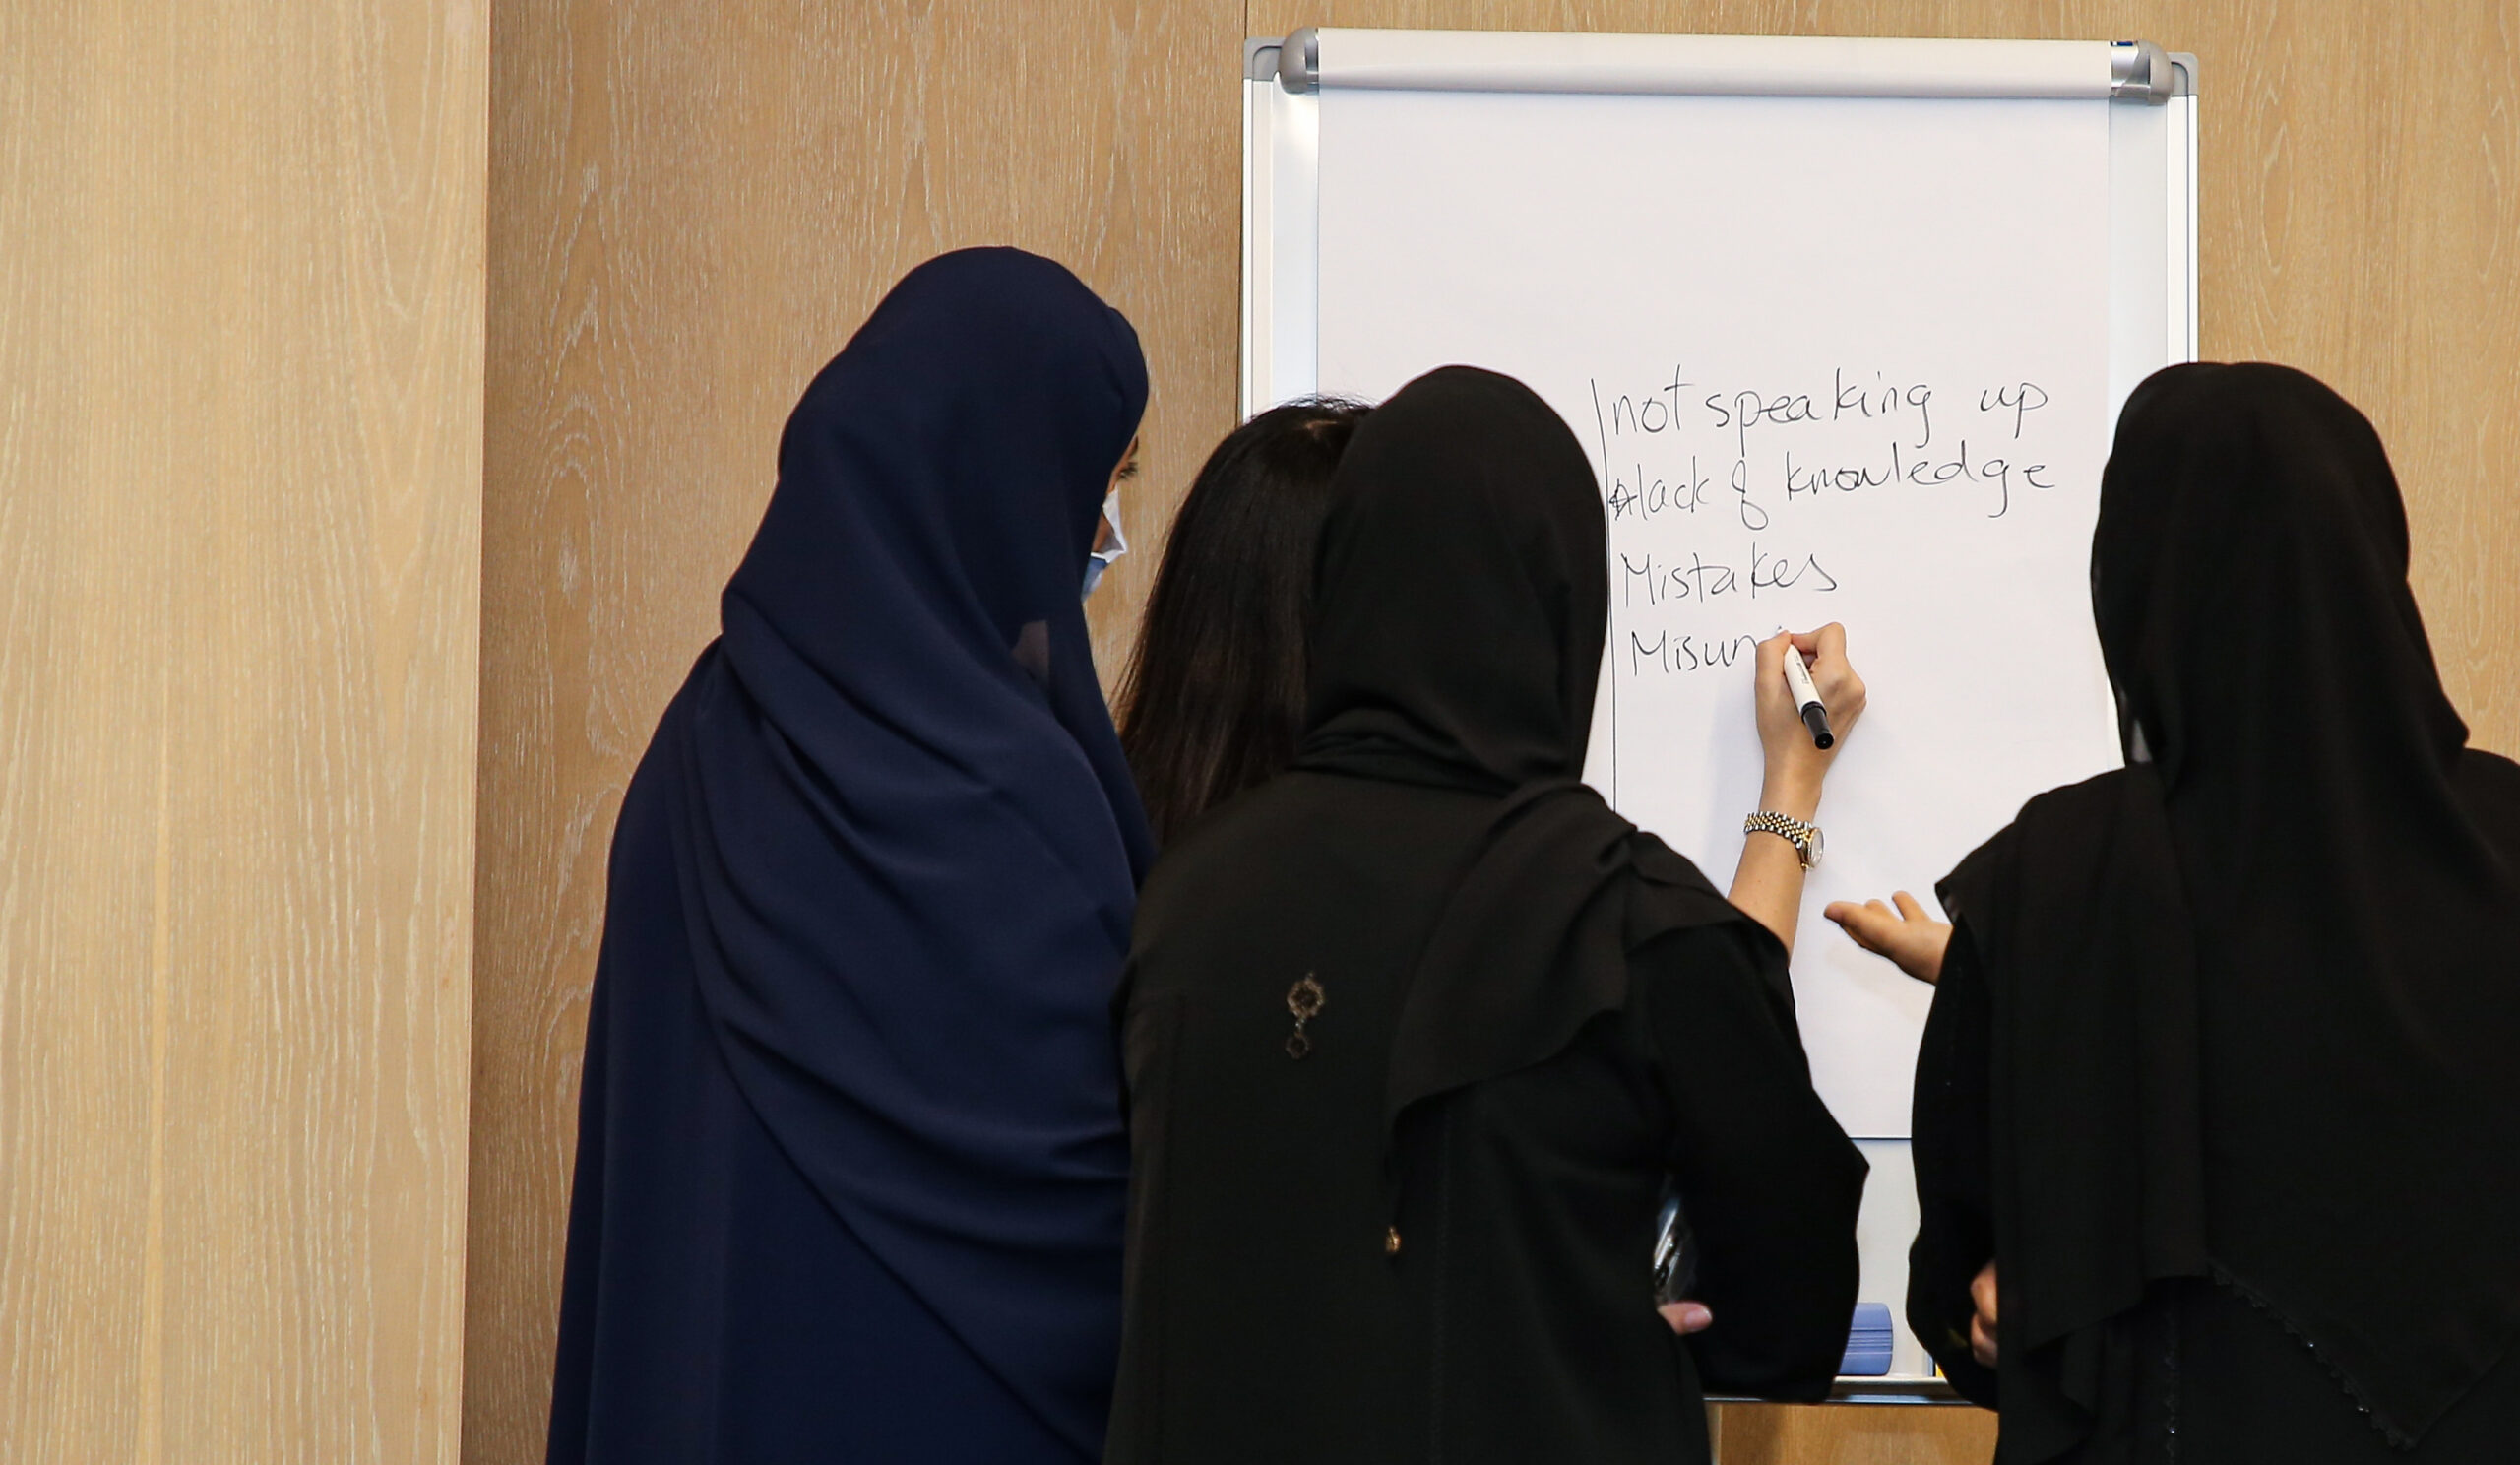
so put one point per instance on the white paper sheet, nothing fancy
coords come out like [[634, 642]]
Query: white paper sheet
[[1835, 359]]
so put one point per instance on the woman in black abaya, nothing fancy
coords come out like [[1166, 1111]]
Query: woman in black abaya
[[1417, 1033], [2219, 1108]]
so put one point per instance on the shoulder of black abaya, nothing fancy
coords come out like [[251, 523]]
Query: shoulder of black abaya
[[1192, 855], [1670, 894], [2067, 815], [1190, 834], [1280, 823], [2063, 822], [2076, 808], [2490, 785], [1662, 865]]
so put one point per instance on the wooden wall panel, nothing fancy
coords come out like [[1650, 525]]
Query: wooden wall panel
[[240, 396], [692, 205]]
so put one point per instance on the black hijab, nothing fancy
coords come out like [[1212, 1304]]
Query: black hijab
[[1462, 599], [2257, 997], [907, 841]]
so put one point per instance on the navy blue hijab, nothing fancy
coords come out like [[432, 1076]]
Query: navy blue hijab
[[909, 844]]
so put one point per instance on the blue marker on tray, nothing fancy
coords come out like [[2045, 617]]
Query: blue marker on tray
[[1868, 1343]]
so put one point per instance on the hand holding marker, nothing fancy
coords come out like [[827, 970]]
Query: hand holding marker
[[1807, 699]]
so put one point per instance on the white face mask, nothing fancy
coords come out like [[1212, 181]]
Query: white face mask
[[1118, 545], [2137, 751]]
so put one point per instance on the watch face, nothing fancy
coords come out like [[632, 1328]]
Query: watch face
[[1819, 847]]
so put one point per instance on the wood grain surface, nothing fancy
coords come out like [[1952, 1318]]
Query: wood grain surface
[[1853, 1434], [692, 205], [240, 425]]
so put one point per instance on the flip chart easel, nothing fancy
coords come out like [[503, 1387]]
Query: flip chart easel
[[1845, 325]]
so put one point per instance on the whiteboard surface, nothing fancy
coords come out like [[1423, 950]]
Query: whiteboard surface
[[1832, 359]]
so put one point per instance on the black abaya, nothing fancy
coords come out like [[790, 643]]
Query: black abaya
[[2250, 1004], [2196, 1371], [1416, 1034]]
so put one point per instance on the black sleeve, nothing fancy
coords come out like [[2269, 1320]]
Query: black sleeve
[[1770, 1183], [1953, 1149]]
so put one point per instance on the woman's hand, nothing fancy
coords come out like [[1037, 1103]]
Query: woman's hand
[[1687, 1318], [1908, 935], [1981, 1327], [1795, 768], [1768, 882]]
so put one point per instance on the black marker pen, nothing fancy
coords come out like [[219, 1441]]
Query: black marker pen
[[1807, 697]]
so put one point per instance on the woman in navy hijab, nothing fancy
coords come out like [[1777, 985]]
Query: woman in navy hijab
[[850, 1173]]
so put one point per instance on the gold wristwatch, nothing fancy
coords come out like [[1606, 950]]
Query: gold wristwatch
[[1804, 838]]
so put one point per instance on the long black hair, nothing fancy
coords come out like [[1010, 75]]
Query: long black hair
[[1213, 695]]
